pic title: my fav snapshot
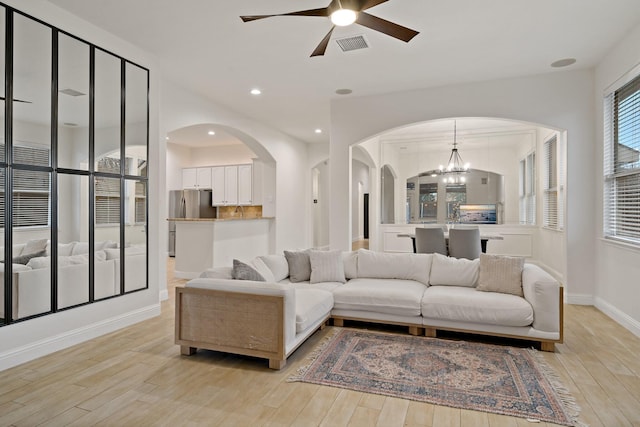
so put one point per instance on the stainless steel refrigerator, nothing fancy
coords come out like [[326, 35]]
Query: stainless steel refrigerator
[[187, 204]]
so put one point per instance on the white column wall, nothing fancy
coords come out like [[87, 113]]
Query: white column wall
[[617, 266], [562, 100]]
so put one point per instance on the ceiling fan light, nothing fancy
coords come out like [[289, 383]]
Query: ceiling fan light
[[343, 17]]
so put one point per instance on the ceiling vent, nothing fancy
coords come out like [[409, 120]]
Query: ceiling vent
[[352, 43], [72, 92]]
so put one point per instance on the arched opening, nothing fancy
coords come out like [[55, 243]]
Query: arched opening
[[516, 171]]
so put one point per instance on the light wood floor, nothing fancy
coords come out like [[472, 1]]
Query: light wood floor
[[136, 377]]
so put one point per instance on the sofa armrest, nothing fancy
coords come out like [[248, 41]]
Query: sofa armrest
[[236, 316], [544, 294]]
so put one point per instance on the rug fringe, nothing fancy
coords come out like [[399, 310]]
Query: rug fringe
[[568, 401], [315, 353]]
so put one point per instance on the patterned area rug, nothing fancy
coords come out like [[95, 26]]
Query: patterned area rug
[[483, 377]]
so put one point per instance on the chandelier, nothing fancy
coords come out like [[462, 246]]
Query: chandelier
[[456, 168]]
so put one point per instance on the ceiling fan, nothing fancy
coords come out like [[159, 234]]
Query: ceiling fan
[[347, 12]]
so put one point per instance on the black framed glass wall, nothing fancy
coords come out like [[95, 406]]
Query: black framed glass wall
[[74, 132]]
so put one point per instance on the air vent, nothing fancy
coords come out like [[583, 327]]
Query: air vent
[[352, 43], [72, 92]]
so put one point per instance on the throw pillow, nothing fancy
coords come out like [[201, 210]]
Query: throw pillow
[[350, 260], [299, 266], [243, 271], [263, 269], [326, 266], [24, 259], [501, 274], [450, 271], [278, 266], [34, 246]]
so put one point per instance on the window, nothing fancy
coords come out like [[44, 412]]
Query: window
[[622, 163], [108, 192], [429, 201], [553, 197], [31, 189], [456, 195], [527, 189]]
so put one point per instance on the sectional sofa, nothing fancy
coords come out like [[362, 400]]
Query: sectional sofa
[[30, 281], [275, 312]]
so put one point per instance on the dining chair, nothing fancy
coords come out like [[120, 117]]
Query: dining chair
[[464, 243], [430, 240]]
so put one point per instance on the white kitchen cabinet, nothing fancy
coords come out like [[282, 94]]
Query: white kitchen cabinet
[[196, 178], [245, 184], [232, 185]]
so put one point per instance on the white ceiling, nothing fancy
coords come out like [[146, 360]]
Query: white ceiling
[[205, 46]]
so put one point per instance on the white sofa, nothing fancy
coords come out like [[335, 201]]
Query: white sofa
[[30, 283], [219, 313]]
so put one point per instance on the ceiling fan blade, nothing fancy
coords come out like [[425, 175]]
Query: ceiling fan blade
[[322, 47], [389, 28], [311, 12], [368, 4], [2, 98]]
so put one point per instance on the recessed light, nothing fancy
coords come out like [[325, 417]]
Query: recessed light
[[318, 130], [563, 62], [211, 132], [256, 91], [344, 91], [167, 138]]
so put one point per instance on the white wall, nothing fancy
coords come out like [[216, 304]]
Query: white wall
[[617, 266], [288, 201], [221, 155], [30, 339], [559, 100], [178, 157]]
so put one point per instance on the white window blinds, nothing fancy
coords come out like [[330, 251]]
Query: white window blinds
[[553, 198], [622, 163], [31, 189], [527, 189]]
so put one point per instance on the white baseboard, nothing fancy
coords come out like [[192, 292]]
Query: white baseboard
[[164, 295], [622, 318], [579, 299], [67, 339]]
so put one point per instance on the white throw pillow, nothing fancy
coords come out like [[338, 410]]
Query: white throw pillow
[[326, 266], [453, 271], [34, 246], [80, 248], [65, 249], [278, 266], [263, 269], [381, 265]]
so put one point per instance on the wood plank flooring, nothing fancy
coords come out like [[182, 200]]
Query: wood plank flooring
[[136, 377]]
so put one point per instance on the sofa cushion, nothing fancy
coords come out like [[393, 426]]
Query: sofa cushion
[[299, 265], [464, 304], [326, 266], [453, 271], [278, 265], [501, 274], [381, 265], [34, 246], [311, 306], [401, 297], [243, 271]]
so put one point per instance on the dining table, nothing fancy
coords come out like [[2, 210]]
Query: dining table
[[484, 238]]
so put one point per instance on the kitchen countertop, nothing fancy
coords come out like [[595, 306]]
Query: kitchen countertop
[[218, 219]]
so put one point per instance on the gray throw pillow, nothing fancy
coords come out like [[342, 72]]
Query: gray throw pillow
[[24, 259], [299, 266], [243, 271]]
